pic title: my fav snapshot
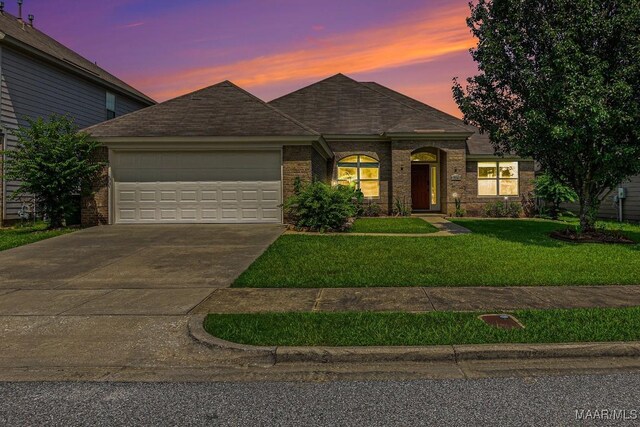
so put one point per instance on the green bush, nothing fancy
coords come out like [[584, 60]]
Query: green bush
[[320, 207], [366, 208], [553, 193], [401, 208], [460, 212], [55, 163], [502, 210]]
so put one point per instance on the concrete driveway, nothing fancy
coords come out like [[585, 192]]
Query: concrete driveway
[[150, 269], [112, 303]]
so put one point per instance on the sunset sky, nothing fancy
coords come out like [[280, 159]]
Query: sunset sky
[[270, 47]]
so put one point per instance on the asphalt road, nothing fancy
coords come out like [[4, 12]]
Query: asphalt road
[[491, 402]]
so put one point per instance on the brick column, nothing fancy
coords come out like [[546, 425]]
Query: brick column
[[95, 207], [297, 163], [400, 176], [455, 165]]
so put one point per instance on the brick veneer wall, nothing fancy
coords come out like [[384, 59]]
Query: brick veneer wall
[[379, 150], [95, 207], [474, 204], [452, 161], [319, 167], [297, 163]]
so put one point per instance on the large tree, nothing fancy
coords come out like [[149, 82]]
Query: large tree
[[559, 81], [53, 162]]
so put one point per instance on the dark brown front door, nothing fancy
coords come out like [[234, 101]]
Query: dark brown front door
[[420, 187]]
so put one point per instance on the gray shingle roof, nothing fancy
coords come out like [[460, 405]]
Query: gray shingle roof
[[20, 33], [340, 105], [223, 109], [478, 144]]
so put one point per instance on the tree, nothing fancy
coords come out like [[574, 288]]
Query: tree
[[53, 162], [558, 82]]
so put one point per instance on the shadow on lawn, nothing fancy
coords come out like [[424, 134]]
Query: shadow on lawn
[[536, 232]]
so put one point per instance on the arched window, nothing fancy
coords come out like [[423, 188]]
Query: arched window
[[361, 171]]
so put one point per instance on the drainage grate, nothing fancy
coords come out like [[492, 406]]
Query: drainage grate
[[502, 321]]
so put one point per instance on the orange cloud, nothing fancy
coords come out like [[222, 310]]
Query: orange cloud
[[424, 36]]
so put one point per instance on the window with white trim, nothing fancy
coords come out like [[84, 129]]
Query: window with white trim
[[362, 172], [497, 178]]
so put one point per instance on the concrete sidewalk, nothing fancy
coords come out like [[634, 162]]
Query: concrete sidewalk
[[416, 299]]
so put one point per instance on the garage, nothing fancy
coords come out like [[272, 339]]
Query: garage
[[218, 186]]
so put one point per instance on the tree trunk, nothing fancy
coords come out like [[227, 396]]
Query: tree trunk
[[588, 212]]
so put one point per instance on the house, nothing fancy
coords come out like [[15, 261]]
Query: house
[[41, 77], [222, 155], [609, 209]]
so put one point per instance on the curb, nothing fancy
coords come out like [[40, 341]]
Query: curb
[[381, 354]]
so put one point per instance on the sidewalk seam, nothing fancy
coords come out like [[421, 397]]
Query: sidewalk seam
[[429, 298]]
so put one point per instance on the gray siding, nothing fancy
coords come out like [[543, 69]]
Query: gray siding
[[33, 88], [630, 206]]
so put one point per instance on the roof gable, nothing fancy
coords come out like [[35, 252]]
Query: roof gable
[[223, 109], [16, 32], [477, 144], [340, 105]]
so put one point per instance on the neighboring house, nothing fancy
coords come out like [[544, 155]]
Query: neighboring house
[[222, 155], [41, 77], [630, 205]]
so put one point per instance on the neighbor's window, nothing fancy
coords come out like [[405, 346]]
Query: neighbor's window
[[111, 105], [363, 172], [497, 178]]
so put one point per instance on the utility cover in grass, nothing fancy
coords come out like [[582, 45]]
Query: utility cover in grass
[[502, 321]]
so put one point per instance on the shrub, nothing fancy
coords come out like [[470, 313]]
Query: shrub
[[368, 209], [54, 163], [529, 207], [460, 212], [502, 210], [401, 208], [553, 193], [320, 207]]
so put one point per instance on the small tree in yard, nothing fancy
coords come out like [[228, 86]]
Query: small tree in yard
[[553, 193], [559, 82], [53, 162]]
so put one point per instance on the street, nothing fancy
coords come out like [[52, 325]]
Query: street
[[503, 401]]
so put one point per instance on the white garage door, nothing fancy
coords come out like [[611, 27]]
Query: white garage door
[[196, 187]]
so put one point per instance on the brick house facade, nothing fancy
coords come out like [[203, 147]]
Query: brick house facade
[[340, 131]]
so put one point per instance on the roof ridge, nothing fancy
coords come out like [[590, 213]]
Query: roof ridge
[[154, 106], [407, 104], [312, 84], [451, 118], [286, 116]]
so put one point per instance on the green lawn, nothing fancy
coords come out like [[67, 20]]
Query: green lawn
[[392, 225], [497, 253], [436, 328], [22, 235]]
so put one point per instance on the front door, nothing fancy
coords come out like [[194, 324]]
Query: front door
[[420, 187]]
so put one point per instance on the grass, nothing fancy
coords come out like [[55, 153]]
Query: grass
[[392, 225], [435, 328], [497, 253], [23, 235]]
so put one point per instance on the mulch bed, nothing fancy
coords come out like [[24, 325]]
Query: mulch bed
[[572, 236]]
